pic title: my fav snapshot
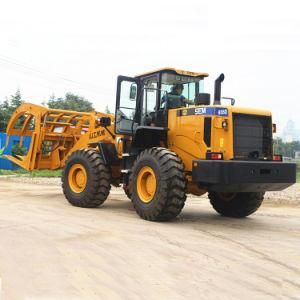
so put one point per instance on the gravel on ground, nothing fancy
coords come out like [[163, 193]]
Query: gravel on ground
[[50, 249]]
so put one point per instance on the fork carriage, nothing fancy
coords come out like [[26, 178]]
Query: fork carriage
[[54, 133]]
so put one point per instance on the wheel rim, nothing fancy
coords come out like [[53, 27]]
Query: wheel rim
[[146, 184], [77, 178]]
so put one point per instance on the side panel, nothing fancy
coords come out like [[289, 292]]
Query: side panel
[[188, 134]]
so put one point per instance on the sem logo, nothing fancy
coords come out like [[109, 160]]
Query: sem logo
[[184, 112], [200, 111]]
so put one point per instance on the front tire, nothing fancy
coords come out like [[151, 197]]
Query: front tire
[[86, 180], [127, 191], [158, 185], [236, 205]]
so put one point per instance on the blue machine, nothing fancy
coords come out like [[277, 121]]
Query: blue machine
[[5, 163]]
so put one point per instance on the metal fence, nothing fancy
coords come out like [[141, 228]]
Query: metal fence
[[5, 163]]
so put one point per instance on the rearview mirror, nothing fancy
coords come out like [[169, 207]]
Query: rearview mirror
[[132, 94]]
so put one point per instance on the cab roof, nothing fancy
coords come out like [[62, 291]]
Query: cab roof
[[176, 71]]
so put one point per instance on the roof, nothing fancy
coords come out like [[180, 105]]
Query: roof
[[177, 71]]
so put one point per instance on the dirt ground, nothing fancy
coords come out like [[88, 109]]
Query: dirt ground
[[52, 250]]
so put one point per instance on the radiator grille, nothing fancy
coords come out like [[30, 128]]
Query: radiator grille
[[252, 137]]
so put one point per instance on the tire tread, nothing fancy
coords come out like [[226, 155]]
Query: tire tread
[[100, 182], [242, 205], [171, 196]]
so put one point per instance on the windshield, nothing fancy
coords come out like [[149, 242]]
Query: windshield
[[191, 85]]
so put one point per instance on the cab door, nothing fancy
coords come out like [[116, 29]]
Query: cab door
[[127, 105]]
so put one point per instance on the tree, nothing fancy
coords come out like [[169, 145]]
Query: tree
[[71, 102], [286, 149], [8, 107], [107, 110]]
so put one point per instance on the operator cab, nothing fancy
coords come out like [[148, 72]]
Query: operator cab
[[145, 99]]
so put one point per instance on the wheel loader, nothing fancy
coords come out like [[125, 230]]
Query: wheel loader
[[160, 145]]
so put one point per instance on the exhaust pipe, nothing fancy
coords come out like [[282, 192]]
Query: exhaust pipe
[[217, 96]]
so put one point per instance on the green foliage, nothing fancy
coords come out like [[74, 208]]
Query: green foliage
[[18, 172], [1, 151], [71, 102], [107, 110], [46, 173], [286, 149], [18, 150], [8, 107], [35, 173], [298, 177]]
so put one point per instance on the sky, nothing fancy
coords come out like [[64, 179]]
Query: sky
[[54, 47]]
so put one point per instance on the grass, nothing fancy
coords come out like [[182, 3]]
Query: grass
[[298, 176], [35, 173]]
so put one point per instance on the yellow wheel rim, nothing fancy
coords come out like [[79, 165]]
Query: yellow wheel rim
[[146, 184], [77, 178]]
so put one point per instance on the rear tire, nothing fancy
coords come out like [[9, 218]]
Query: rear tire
[[164, 194], [92, 191], [236, 205]]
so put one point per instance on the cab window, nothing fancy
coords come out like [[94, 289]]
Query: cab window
[[150, 92], [191, 86], [126, 109]]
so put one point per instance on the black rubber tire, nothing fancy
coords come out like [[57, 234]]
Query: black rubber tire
[[98, 179], [237, 205], [170, 194], [127, 191]]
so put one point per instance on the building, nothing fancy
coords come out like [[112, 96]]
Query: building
[[290, 133]]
